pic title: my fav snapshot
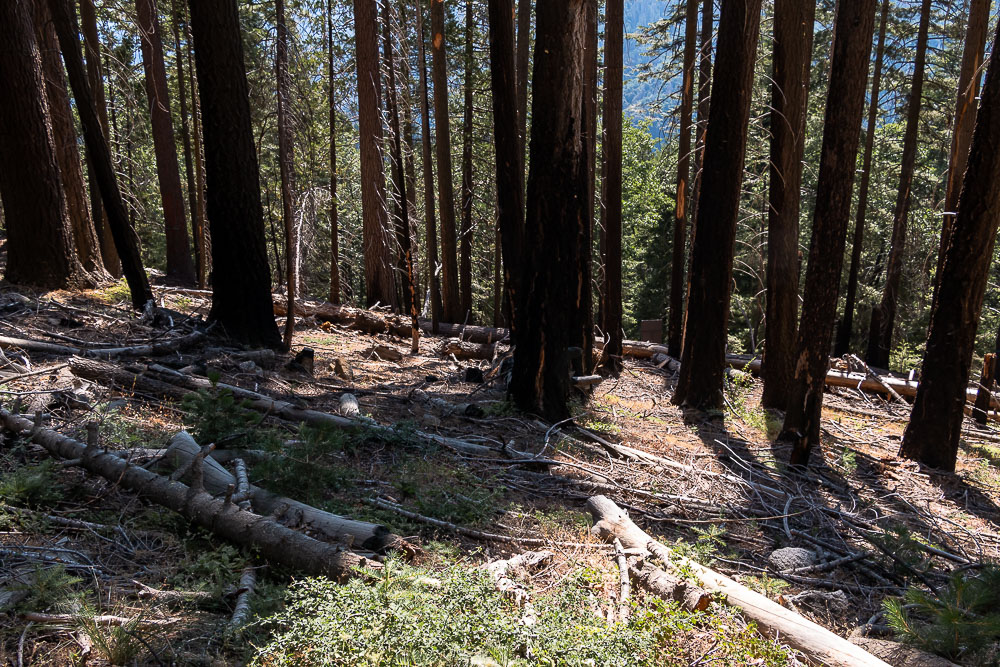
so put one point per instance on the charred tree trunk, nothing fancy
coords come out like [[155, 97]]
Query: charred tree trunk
[[557, 188], [465, 243], [884, 314], [64, 135], [841, 347], [430, 222], [932, 435], [704, 348], [704, 103], [95, 75], [793, 30], [126, 242], [334, 220], [614, 27], [241, 279], [852, 40], [379, 284], [179, 264], [442, 135], [510, 171], [965, 117], [286, 160], [40, 248], [675, 324]]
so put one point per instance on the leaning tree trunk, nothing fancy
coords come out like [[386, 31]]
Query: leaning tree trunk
[[935, 425], [40, 249], [430, 222], [465, 243], [611, 151], [442, 135], [95, 75], [64, 134], [884, 314], [704, 348], [965, 118], [793, 30], [241, 279], [179, 264], [675, 324], [379, 284], [99, 154], [845, 105], [286, 163], [557, 188], [846, 328], [334, 220], [510, 172]]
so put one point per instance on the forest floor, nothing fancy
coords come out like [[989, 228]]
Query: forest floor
[[714, 487]]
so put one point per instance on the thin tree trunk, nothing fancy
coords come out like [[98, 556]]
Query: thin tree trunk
[[611, 150], [64, 134], [430, 223], [179, 264], [846, 328], [202, 238], [676, 319], [585, 271], [507, 144], [704, 103], [845, 105], [965, 117], [406, 118], [465, 243], [40, 248], [379, 284], [884, 315], [126, 242], [704, 346], [95, 75], [557, 189], [241, 279], [286, 160], [932, 435], [334, 220], [192, 183], [442, 135], [793, 31]]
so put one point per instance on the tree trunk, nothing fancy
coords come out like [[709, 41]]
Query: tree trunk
[[379, 284], [430, 223], [557, 188], [583, 327], [522, 74], [286, 159], [465, 244], [95, 75], [611, 151], [986, 382], [201, 231], [64, 135], [241, 279], [793, 30], [845, 105], [704, 103], [510, 171], [842, 346], [965, 118], [126, 242], [40, 248], [676, 319], [932, 435], [704, 347], [884, 315], [442, 135], [179, 264], [334, 220]]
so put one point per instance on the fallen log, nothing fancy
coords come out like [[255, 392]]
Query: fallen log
[[267, 537], [150, 349], [815, 641], [463, 350]]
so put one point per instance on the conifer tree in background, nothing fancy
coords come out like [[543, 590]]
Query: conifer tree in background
[[792, 61], [704, 346], [932, 435], [430, 221], [852, 38], [884, 314]]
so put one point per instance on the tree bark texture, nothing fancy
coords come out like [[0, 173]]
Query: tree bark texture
[[884, 314], [241, 278], [793, 30], [852, 40], [846, 328], [704, 347], [523, 74], [583, 327], [932, 434], [611, 151]]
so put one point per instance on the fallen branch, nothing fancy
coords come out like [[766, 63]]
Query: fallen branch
[[241, 611], [71, 619]]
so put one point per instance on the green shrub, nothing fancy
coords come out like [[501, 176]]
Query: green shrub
[[32, 485], [216, 415]]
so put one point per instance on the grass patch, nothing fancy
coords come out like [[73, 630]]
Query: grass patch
[[448, 493], [114, 293]]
